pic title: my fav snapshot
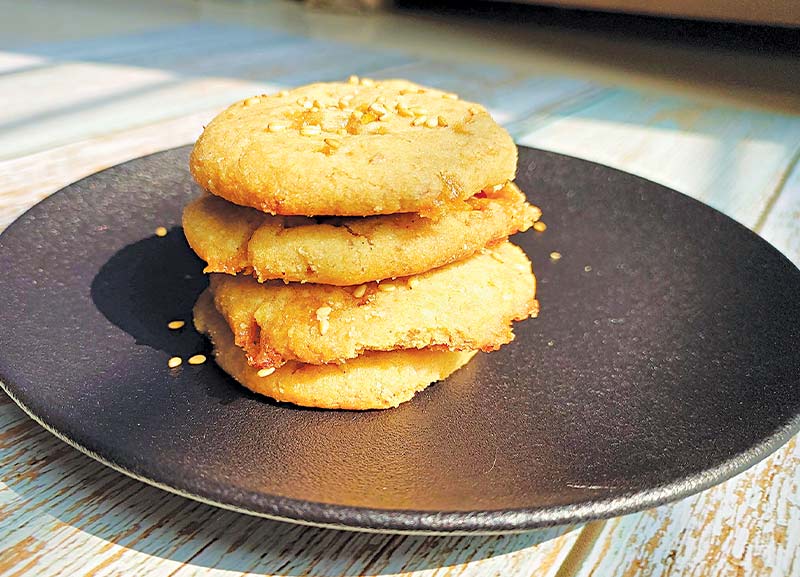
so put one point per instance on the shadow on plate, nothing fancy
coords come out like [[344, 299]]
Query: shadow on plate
[[147, 284]]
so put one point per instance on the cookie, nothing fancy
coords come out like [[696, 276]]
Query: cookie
[[350, 250], [467, 305], [371, 381], [352, 149]]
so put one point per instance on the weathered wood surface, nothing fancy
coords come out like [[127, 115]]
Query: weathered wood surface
[[72, 108]]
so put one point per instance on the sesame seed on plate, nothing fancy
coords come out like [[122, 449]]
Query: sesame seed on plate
[[175, 325], [196, 359], [161, 231], [174, 362]]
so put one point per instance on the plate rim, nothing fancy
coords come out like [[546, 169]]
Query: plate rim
[[498, 522], [415, 522]]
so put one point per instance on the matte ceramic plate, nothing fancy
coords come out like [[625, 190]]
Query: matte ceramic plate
[[666, 359]]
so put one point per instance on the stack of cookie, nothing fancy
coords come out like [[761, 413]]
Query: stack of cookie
[[356, 235]]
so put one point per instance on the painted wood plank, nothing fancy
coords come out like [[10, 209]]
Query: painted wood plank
[[23, 182], [111, 97], [730, 158], [66, 514], [131, 83], [40, 21], [782, 225]]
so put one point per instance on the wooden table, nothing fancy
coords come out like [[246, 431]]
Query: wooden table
[[86, 85]]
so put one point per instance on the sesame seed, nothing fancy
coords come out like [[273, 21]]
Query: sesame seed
[[353, 79], [265, 372], [496, 257], [357, 114], [539, 226], [384, 117], [432, 122], [311, 130], [441, 121], [450, 95], [359, 291], [174, 362], [197, 360], [387, 288], [175, 325], [251, 101], [403, 111], [379, 108], [333, 142], [412, 282], [161, 231], [555, 255], [419, 121], [498, 187], [277, 126], [323, 312], [367, 82], [373, 126], [587, 268], [418, 111]]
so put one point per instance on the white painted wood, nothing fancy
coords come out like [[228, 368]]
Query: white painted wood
[[730, 158], [782, 225]]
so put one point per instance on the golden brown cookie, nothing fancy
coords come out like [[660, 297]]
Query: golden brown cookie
[[351, 250], [371, 381], [352, 150], [469, 304]]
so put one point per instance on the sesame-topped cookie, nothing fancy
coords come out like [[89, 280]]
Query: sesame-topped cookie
[[374, 380], [352, 149], [467, 305]]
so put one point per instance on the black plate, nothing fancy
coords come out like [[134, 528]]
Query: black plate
[[666, 359]]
